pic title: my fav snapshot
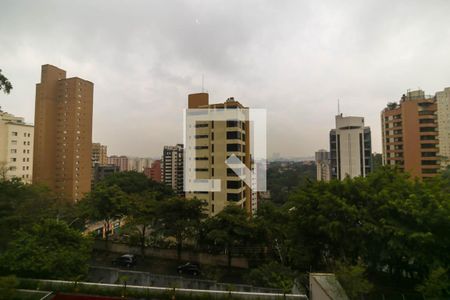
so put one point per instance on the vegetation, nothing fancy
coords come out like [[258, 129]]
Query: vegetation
[[382, 231], [5, 84], [47, 250], [285, 177]]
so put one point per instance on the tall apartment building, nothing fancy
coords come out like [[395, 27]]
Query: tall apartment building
[[154, 171], [120, 161], [63, 133], [138, 164], [99, 154], [173, 167], [216, 141], [323, 165], [443, 118], [16, 148], [350, 148], [410, 136]]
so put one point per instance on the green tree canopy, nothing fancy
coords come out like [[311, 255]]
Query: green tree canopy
[[180, 218], [5, 84], [48, 250], [228, 229]]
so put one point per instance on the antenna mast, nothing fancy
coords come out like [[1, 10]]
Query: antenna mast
[[203, 81], [339, 108]]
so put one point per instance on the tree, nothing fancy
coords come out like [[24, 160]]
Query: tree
[[437, 285], [132, 182], [22, 205], [5, 84], [48, 250], [229, 229], [8, 287], [272, 275], [353, 279], [143, 215], [180, 218], [105, 203]]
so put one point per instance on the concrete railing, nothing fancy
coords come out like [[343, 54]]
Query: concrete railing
[[173, 291], [138, 278]]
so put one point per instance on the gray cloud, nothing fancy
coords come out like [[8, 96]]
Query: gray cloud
[[295, 58]]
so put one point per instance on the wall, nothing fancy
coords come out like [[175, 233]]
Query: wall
[[198, 257]]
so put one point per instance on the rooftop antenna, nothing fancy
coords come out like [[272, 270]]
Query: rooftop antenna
[[339, 108], [203, 81]]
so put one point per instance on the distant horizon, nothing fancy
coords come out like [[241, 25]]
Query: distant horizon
[[295, 59]]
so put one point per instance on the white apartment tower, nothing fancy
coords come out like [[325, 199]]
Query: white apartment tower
[[16, 148], [350, 148], [443, 119], [323, 165]]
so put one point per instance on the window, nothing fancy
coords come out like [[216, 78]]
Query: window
[[429, 171], [426, 146], [201, 125], [233, 135], [13, 151], [201, 136], [230, 172], [14, 133], [234, 184], [234, 147], [429, 154], [234, 197], [13, 159], [429, 162], [201, 147], [201, 158], [201, 169], [427, 137], [232, 123], [427, 129], [426, 121]]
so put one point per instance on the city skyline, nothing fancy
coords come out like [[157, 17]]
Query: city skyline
[[288, 58]]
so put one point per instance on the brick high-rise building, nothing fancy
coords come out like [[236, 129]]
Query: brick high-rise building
[[154, 172], [410, 136], [215, 142], [63, 133]]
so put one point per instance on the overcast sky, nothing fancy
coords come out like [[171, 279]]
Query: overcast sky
[[293, 58]]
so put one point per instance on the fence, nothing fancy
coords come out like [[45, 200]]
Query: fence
[[152, 292], [114, 275]]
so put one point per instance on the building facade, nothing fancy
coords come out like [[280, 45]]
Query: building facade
[[120, 161], [323, 165], [154, 171], [215, 142], [63, 133], [350, 148], [443, 118], [99, 172], [99, 154], [410, 136], [16, 148], [172, 168]]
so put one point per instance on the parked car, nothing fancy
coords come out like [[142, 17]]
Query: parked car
[[189, 268], [126, 260]]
